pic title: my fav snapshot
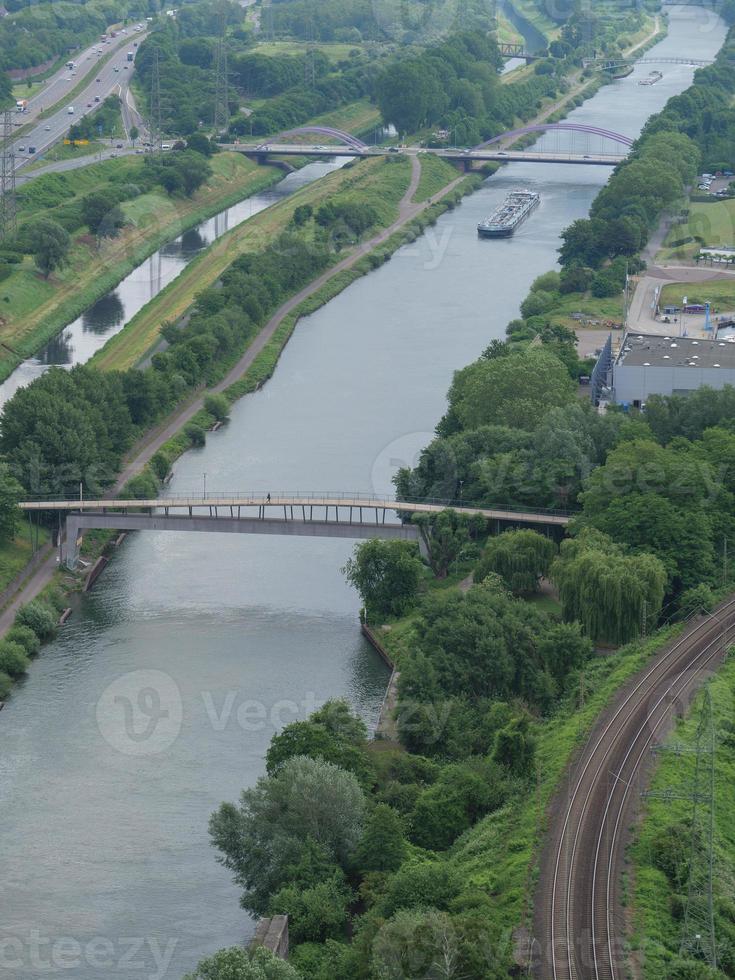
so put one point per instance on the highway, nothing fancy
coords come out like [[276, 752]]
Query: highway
[[47, 132], [580, 920]]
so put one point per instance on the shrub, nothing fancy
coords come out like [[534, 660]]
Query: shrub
[[195, 434], [5, 685], [218, 406], [161, 464], [25, 637], [39, 617], [144, 486], [13, 659]]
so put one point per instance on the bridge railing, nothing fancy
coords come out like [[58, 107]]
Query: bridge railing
[[278, 497]]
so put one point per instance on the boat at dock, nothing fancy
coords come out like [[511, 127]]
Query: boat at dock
[[504, 220]]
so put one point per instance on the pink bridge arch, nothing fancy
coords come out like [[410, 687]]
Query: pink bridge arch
[[559, 127], [347, 139]]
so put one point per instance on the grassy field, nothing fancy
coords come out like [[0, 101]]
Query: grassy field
[[371, 181], [333, 50], [435, 174], [33, 309], [355, 117], [656, 901], [66, 152], [708, 224], [720, 293], [505, 32], [24, 90]]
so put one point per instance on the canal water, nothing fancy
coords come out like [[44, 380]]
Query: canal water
[[82, 338], [160, 696]]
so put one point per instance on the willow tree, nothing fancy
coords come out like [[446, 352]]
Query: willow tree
[[521, 558], [614, 595]]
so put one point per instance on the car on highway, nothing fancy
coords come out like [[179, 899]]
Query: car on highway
[[96, 79], [22, 148], [31, 150], [96, 98], [502, 153], [119, 146], [89, 105], [47, 128], [117, 69], [125, 67]]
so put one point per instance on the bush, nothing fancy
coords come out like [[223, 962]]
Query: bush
[[39, 617], [161, 464], [13, 659], [698, 599], [5, 685], [25, 637], [217, 406], [144, 486], [195, 434]]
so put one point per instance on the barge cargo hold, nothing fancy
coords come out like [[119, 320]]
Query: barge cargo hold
[[504, 220]]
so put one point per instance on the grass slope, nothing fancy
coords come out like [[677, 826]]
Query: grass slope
[[435, 174]]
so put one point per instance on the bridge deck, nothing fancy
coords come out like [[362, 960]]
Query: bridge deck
[[286, 503]]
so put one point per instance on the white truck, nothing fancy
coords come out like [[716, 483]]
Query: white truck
[[70, 110]]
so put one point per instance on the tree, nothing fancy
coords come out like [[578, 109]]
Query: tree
[[316, 913], [386, 574], [48, 243], [134, 134], [240, 964], [507, 390], [217, 406], [522, 558], [309, 810], [444, 535], [382, 846], [10, 493], [615, 596]]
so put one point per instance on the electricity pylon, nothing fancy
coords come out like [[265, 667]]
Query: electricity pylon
[[7, 179], [155, 104]]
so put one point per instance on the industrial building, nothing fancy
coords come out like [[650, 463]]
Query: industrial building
[[647, 364]]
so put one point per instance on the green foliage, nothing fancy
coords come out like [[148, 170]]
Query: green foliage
[[6, 685], [292, 827], [332, 733], [24, 637], [102, 215], [382, 846], [13, 659], [38, 616], [10, 493], [500, 391], [195, 434], [698, 599], [522, 558], [614, 595], [181, 172], [48, 243], [217, 406], [386, 574], [237, 963], [445, 535], [316, 913]]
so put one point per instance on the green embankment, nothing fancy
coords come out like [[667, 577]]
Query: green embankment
[[711, 223], [32, 309], [436, 173], [661, 850], [15, 554], [373, 182]]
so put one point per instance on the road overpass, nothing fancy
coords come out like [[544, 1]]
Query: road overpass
[[349, 516]]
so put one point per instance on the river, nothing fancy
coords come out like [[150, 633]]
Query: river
[[104, 832]]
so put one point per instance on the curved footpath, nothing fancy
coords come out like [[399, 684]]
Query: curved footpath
[[580, 925], [153, 441]]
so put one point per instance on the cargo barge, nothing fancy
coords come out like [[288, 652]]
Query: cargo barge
[[651, 79], [504, 220]]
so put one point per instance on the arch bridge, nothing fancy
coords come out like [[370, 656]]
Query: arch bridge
[[286, 144], [607, 64], [335, 515]]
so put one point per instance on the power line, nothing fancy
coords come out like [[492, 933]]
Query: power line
[[7, 179], [155, 103], [221, 106]]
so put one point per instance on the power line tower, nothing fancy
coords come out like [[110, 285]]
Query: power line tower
[[155, 104], [698, 940], [7, 179], [221, 107], [266, 20]]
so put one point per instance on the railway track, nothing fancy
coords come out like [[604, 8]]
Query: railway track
[[579, 924]]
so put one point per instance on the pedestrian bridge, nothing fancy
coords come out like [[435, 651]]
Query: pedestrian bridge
[[350, 516]]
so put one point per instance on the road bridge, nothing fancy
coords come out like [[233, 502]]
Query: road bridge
[[350, 516], [498, 148]]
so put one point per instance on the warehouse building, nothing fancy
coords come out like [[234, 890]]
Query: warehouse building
[[647, 365]]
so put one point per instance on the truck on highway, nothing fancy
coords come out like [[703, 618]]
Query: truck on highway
[[130, 55], [70, 110], [21, 105], [70, 64]]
